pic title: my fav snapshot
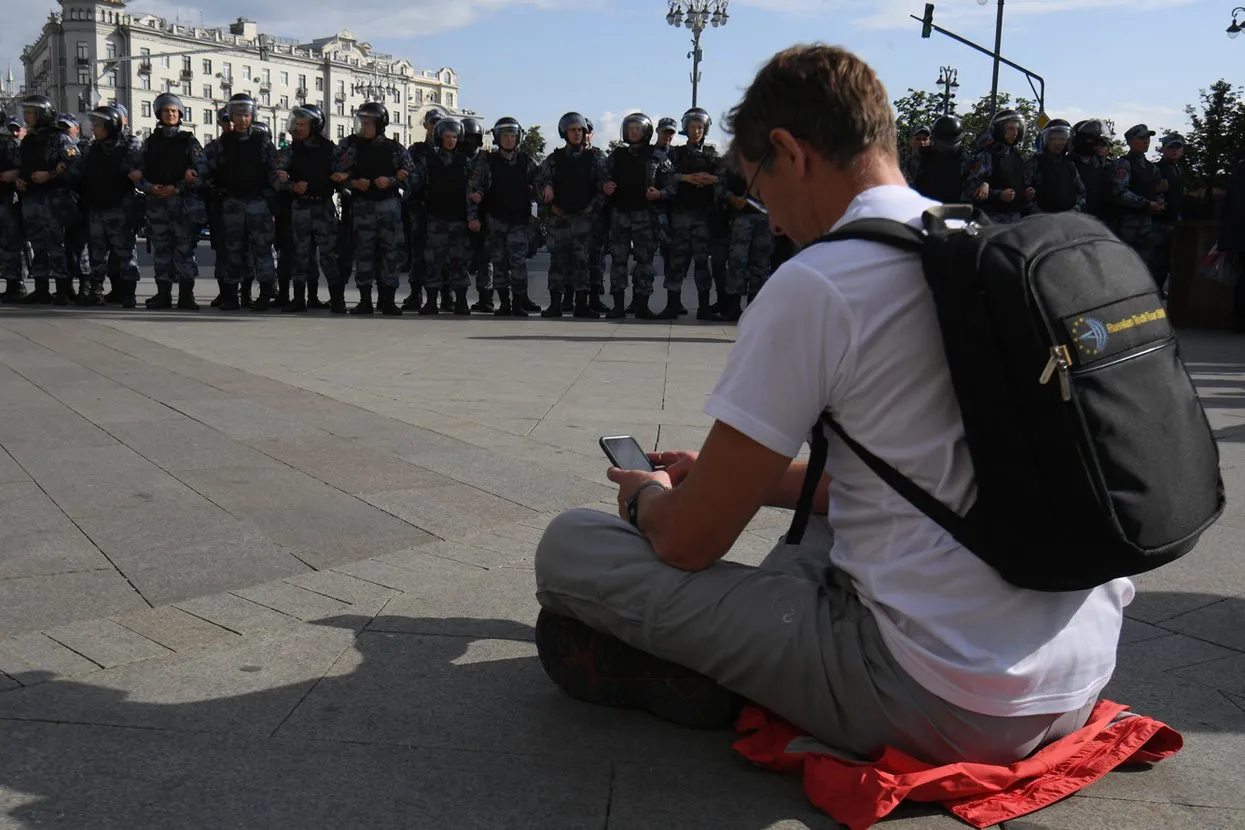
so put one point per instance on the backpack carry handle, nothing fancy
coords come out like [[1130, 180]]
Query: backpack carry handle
[[935, 219]]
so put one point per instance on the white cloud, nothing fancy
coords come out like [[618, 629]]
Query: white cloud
[[1126, 114]]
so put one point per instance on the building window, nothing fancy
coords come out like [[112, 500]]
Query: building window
[[449, 99], [208, 118], [319, 84], [341, 108], [207, 66], [246, 72], [397, 117], [145, 110], [144, 81], [164, 61], [110, 50], [187, 64], [190, 114], [110, 79], [82, 103], [207, 91], [145, 52], [265, 77], [341, 87], [397, 97], [418, 99], [285, 78], [226, 70], [285, 102], [302, 81], [341, 131], [265, 99], [83, 53], [84, 77]]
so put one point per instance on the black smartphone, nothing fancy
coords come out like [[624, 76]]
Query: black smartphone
[[625, 452]]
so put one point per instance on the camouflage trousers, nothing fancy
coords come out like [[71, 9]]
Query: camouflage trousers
[[632, 233], [45, 215], [445, 254], [313, 230], [569, 240], [752, 245], [378, 241], [417, 238], [480, 263], [249, 237], [507, 246], [111, 235], [12, 241], [597, 246], [173, 235], [1140, 232], [689, 242]]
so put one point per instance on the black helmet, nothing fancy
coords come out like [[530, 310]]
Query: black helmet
[[588, 128], [646, 125], [571, 119], [375, 110], [667, 123], [168, 99], [261, 127], [1057, 128], [45, 110], [222, 115], [948, 130], [448, 126], [13, 125], [310, 112], [241, 104], [433, 115], [64, 121], [504, 125], [1089, 135], [697, 115], [999, 121], [472, 126], [108, 117]]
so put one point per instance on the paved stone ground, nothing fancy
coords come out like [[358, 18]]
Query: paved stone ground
[[274, 572]]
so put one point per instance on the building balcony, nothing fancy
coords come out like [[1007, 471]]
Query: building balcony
[[339, 96], [82, 61], [188, 75], [265, 88], [301, 92], [144, 69]]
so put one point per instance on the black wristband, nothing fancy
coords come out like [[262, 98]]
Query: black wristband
[[633, 503]]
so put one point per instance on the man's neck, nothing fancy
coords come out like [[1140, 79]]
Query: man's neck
[[828, 204]]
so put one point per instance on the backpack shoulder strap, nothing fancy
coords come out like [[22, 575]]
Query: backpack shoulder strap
[[883, 231]]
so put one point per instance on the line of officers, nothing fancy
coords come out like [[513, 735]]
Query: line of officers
[[1140, 200], [441, 211]]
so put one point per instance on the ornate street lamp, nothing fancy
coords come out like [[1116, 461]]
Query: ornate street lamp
[[947, 80], [375, 87], [1238, 22], [697, 15], [998, 47]]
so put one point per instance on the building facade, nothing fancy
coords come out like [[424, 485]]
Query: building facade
[[96, 50]]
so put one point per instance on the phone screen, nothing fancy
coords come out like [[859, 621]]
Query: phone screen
[[626, 453]]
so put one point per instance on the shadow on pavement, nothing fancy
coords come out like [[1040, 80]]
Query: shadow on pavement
[[573, 339]]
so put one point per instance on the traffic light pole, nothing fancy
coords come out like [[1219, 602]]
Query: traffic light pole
[[1039, 90]]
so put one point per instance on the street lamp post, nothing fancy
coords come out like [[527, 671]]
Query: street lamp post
[[947, 80], [696, 15], [1237, 24], [998, 53]]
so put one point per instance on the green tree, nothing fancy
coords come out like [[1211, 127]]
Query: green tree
[[615, 144], [917, 107], [533, 144], [1216, 136]]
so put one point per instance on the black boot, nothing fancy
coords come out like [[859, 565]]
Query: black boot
[[414, 300], [719, 291], [673, 304], [186, 296], [731, 309], [430, 307], [528, 305], [163, 298], [485, 303], [705, 311], [461, 308], [92, 295], [114, 290], [220, 292], [388, 301], [14, 292], [555, 305], [282, 297], [568, 301], [311, 290], [642, 311], [244, 298], [595, 303], [504, 308], [519, 308], [127, 290], [337, 298], [41, 295], [447, 301], [365, 301], [229, 297], [64, 291], [267, 292], [299, 302], [620, 309], [583, 309]]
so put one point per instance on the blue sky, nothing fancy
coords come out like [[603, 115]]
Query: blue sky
[[1134, 61]]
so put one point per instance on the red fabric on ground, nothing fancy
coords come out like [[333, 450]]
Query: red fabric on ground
[[858, 794]]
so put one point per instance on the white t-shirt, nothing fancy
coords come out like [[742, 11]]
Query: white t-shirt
[[850, 328]]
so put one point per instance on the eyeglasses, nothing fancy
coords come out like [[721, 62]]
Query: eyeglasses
[[754, 202]]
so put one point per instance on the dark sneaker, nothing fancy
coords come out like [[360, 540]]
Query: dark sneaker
[[599, 668]]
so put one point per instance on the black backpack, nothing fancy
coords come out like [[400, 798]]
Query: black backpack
[[1093, 456]]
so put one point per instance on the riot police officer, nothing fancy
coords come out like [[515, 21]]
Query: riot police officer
[[1088, 139], [108, 197], [305, 171], [936, 170], [997, 175], [46, 177], [1137, 197], [1054, 183], [502, 190], [694, 185]]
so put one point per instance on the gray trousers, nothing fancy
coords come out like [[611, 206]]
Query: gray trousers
[[790, 635]]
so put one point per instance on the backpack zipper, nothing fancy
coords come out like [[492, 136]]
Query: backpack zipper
[[1061, 362]]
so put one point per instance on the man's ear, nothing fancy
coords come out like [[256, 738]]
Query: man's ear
[[791, 151]]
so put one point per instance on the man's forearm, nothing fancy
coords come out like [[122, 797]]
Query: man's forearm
[[786, 491]]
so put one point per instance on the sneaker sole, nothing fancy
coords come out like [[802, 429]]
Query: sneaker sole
[[574, 656]]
